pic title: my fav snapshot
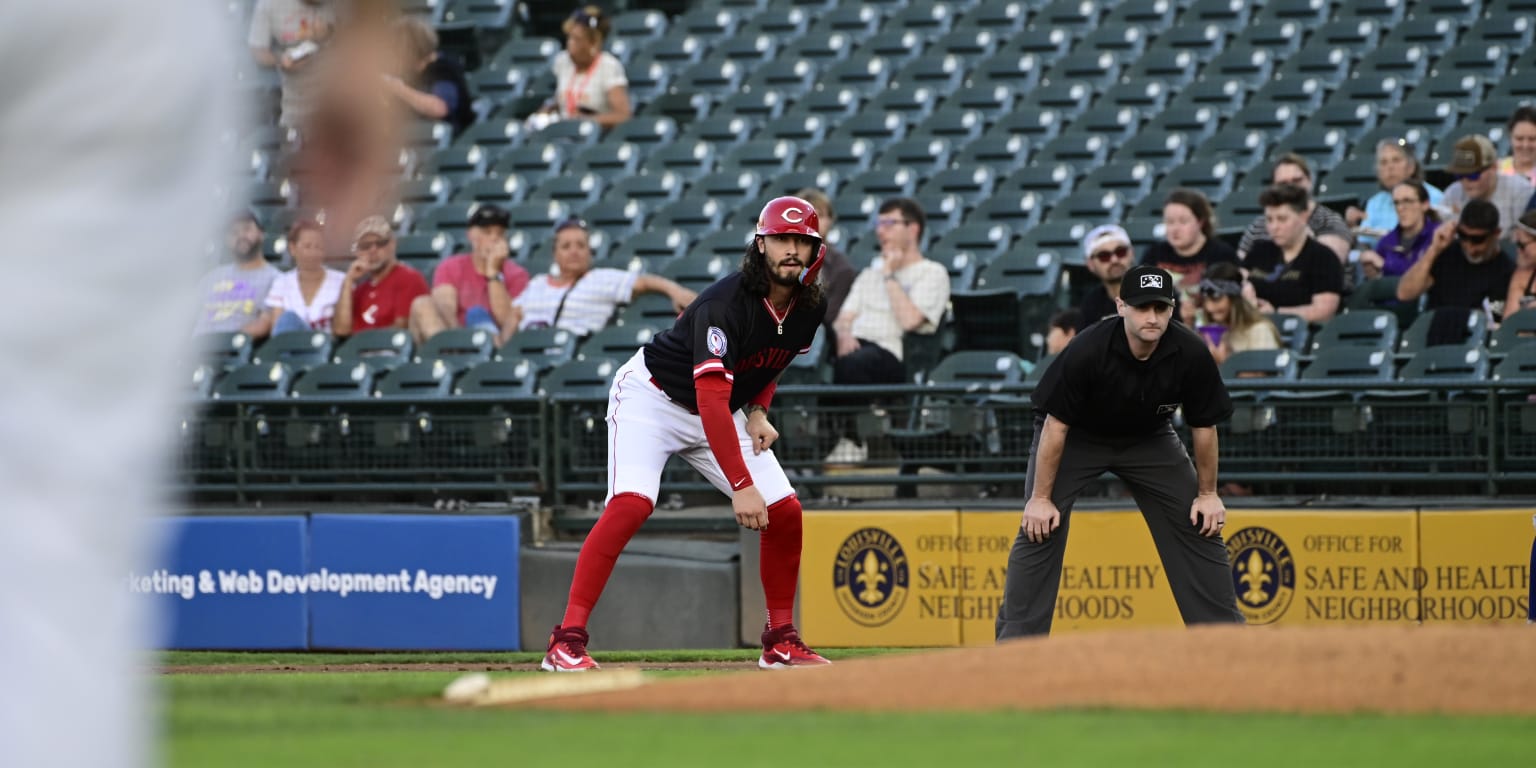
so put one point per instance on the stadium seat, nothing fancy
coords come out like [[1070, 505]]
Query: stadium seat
[[1174, 69], [1278, 38], [1368, 328], [1322, 146], [648, 310], [532, 162], [1277, 364], [1091, 205], [786, 79], [924, 154], [828, 43], [830, 103], [502, 378], [688, 158], [227, 350], [1018, 209], [1516, 329], [1082, 151], [972, 185], [575, 191], [1160, 150], [1005, 154], [256, 381], [538, 216], [417, 381], [299, 350], [800, 129], [336, 381], [895, 46], [649, 190], [1203, 41], [947, 73], [1014, 297], [1232, 15], [458, 347], [1096, 69], [725, 130], [584, 378], [742, 186], [541, 348], [378, 348], [619, 342], [865, 74], [697, 272], [1036, 124]]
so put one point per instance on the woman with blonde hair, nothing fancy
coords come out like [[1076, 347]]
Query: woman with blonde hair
[[590, 83], [1228, 321]]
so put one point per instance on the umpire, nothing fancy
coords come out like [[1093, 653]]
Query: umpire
[[1104, 406]]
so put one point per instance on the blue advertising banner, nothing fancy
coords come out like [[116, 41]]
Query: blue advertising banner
[[211, 587], [420, 582]]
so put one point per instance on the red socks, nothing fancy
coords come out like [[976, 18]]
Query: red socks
[[780, 566], [623, 516]]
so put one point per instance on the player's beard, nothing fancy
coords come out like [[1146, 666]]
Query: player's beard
[[791, 280]]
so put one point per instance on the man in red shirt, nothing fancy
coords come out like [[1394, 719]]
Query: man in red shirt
[[378, 289]]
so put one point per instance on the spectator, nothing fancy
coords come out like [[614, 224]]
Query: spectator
[[1522, 144], [589, 82], [303, 298], [287, 35], [233, 294], [1289, 271], [1474, 163], [1063, 327], [1398, 249], [1328, 228], [836, 273], [1465, 265], [1108, 252], [902, 292], [1522, 285], [1189, 246], [430, 81], [1228, 321], [475, 289], [378, 290], [1396, 163], [578, 298]]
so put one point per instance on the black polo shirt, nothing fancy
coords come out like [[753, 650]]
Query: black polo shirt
[[1315, 270], [730, 330], [1096, 385]]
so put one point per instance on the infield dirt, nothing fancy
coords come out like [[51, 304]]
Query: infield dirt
[[1466, 670]]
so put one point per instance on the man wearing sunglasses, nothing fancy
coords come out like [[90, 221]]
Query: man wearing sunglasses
[[1108, 252], [1106, 405], [1475, 164], [1465, 266]]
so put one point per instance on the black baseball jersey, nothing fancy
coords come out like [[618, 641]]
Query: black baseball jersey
[[730, 330], [1096, 385]]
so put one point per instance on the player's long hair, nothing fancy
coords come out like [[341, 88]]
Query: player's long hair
[[754, 268]]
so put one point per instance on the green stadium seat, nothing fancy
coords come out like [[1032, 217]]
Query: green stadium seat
[[298, 349], [923, 154], [255, 381], [540, 348], [1278, 364], [1005, 154], [648, 310], [731, 188], [1278, 38], [799, 129], [725, 130], [618, 342], [787, 79], [688, 158], [697, 272], [827, 42], [895, 46], [226, 350], [1368, 328], [831, 103], [1203, 41], [1174, 69], [1390, 12], [948, 73], [458, 347], [696, 216], [417, 381], [378, 348], [585, 378], [1148, 96], [1096, 69], [865, 74], [847, 156], [336, 381], [573, 190], [503, 378]]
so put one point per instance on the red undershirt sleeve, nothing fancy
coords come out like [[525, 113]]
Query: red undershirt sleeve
[[765, 397], [714, 399]]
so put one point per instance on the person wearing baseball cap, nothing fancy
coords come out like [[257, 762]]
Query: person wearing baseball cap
[[1475, 164], [378, 290], [1105, 405], [1107, 252], [475, 289]]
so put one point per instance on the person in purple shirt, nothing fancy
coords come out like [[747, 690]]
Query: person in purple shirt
[[1404, 244]]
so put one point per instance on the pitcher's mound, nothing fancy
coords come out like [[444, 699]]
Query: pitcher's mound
[[1475, 670]]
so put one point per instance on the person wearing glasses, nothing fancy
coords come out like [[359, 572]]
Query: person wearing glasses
[[1464, 266], [378, 290], [1399, 248], [475, 289], [1328, 228], [580, 299], [1227, 319], [1475, 164], [1396, 163], [1290, 271], [590, 83], [901, 292], [1189, 246], [1109, 255], [1522, 284]]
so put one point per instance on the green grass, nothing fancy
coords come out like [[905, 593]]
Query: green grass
[[383, 719]]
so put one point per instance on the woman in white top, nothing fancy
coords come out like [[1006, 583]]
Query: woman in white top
[[303, 298], [590, 82]]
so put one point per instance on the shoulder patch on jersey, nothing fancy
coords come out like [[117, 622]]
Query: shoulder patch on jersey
[[715, 340]]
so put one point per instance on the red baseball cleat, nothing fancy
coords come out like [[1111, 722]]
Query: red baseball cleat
[[568, 651], [783, 648]]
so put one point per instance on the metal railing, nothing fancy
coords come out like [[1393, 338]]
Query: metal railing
[[964, 440]]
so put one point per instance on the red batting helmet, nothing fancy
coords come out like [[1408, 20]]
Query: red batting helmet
[[793, 216]]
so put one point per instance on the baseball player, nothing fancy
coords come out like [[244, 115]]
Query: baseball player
[[701, 390], [1104, 406]]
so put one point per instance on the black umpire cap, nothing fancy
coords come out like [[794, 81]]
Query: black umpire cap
[[1145, 284]]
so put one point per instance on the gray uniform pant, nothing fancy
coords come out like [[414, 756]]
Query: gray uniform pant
[[1157, 471]]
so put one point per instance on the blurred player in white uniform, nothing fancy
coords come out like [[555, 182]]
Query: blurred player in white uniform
[[112, 122]]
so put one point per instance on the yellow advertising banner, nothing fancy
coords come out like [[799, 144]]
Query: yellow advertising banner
[[1324, 567], [1476, 565], [880, 578], [1111, 577]]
